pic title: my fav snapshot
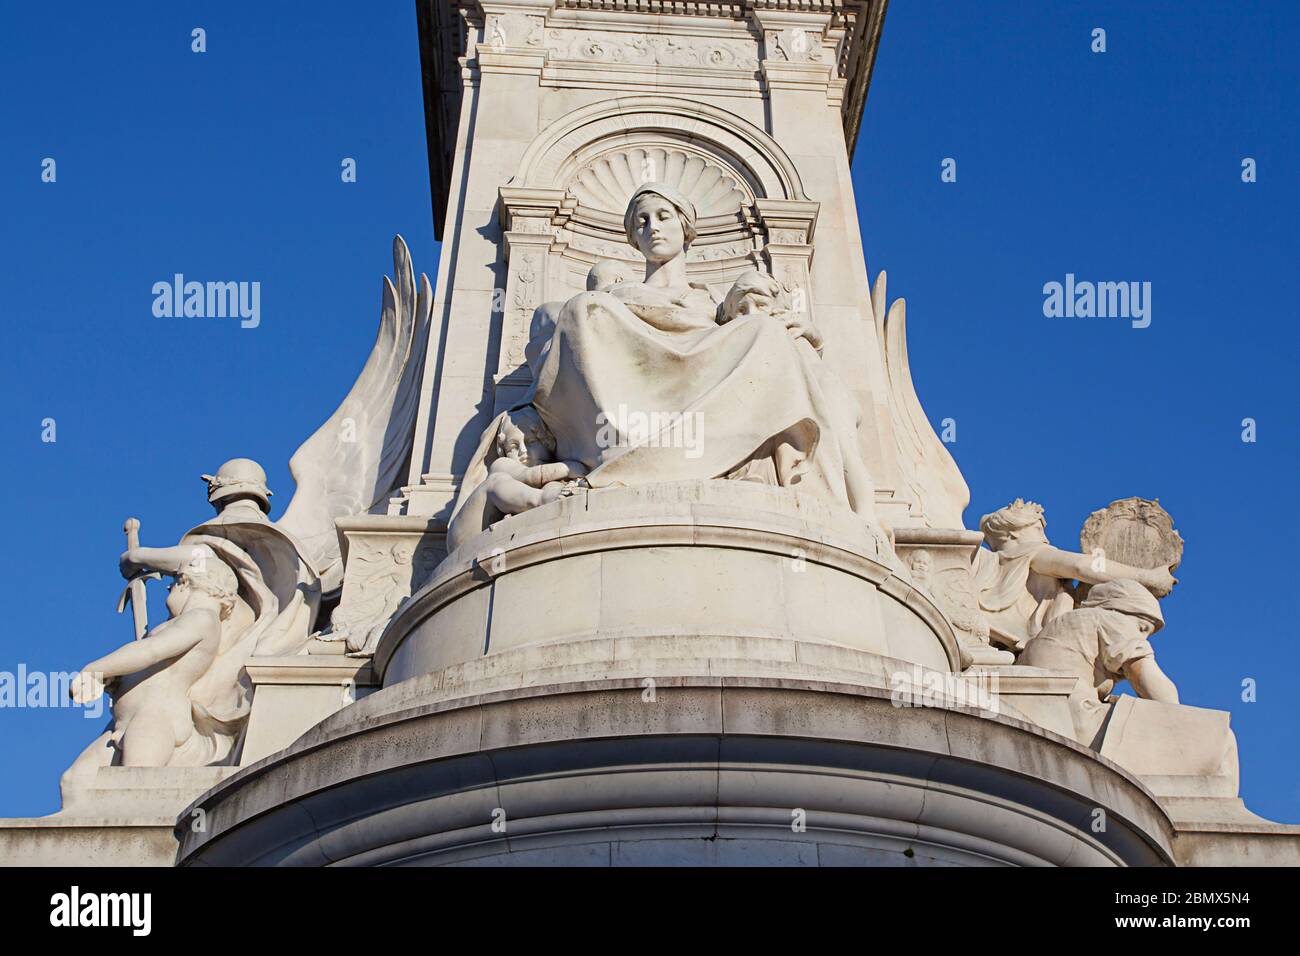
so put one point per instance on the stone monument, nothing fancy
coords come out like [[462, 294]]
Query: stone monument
[[632, 543]]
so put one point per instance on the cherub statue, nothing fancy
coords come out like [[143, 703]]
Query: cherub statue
[[1024, 582], [515, 467], [522, 474], [756, 293], [1105, 640], [156, 681], [525, 473]]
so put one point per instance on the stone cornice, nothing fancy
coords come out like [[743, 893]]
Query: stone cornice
[[850, 30]]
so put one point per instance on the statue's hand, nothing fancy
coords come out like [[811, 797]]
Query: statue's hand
[[1159, 581], [565, 488], [800, 327], [131, 563], [553, 491], [126, 564], [85, 687]]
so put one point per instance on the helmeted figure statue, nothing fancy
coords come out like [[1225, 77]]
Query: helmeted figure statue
[[239, 493], [249, 586]]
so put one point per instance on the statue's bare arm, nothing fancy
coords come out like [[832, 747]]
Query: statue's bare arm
[[1150, 681], [539, 475], [169, 639], [1067, 565], [167, 560]]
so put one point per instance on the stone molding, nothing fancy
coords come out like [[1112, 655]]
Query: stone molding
[[712, 760], [713, 516], [545, 162]]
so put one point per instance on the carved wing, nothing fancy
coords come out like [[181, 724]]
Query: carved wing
[[928, 467], [356, 460]]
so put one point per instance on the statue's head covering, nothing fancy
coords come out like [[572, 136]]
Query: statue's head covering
[[1127, 597], [240, 477], [685, 208]]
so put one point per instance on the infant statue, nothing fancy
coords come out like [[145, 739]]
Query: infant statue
[[522, 475]]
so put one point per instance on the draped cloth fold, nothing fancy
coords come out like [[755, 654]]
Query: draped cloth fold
[[642, 385]]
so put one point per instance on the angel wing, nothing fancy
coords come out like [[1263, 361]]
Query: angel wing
[[927, 465], [358, 458]]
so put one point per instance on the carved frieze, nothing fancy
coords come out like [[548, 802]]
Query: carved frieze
[[608, 46], [513, 30], [523, 298], [787, 237], [794, 45], [383, 570]]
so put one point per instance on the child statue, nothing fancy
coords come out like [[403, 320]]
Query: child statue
[[151, 679], [1105, 640], [522, 474], [1024, 582]]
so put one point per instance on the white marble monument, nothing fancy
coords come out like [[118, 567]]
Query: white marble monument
[[632, 543]]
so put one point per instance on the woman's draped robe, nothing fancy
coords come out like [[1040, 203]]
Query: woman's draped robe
[[641, 385]]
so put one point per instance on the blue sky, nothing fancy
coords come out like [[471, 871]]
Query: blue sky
[[1122, 166]]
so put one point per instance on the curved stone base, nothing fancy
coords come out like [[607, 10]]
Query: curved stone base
[[695, 559], [700, 771]]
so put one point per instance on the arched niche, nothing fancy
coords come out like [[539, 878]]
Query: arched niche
[[562, 211]]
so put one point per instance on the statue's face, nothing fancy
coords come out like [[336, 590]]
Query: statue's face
[[512, 443], [658, 228], [177, 596], [1032, 533]]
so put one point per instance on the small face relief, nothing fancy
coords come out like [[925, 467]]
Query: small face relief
[[511, 442], [753, 304], [659, 232], [177, 595]]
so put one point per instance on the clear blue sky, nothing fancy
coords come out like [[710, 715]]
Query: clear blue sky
[[1117, 166]]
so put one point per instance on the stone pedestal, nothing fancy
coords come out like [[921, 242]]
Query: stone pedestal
[[673, 674], [940, 561], [709, 770], [679, 563], [699, 673], [125, 817], [293, 694], [386, 557]]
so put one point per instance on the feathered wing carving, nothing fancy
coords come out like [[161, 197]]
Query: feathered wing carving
[[927, 466], [358, 458]]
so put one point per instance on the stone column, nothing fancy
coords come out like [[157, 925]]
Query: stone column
[[527, 215], [501, 69], [789, 225], [805, 92]]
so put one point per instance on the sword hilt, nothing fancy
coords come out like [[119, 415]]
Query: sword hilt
[[139, 613]]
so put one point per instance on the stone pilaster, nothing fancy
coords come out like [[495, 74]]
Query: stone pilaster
[[528, 216]]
